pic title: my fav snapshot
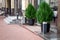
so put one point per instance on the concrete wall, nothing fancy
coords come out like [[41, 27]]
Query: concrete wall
[[12, 3], [23, 4], [58, 19], [0, 3], [47, 1], [3, 3]]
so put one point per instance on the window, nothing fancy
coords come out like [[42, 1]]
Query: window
[[53, 3]]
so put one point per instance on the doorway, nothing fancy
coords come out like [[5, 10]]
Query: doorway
[[8, 7]]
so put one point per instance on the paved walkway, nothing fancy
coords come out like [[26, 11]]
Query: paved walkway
[[15, 32]]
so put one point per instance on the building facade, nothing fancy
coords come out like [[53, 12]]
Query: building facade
[[58, 19], [11, 7]]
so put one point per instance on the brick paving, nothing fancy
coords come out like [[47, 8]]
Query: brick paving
[[15, 32]]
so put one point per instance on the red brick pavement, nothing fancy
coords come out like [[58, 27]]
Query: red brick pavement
[[15, 32]]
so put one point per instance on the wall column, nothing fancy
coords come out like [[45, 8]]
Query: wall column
[[35, 3], [24, 6], [12, 7], [58, 19], [15, 7], [3, 5], [20, 7]]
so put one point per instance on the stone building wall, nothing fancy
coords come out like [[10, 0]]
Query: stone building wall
[[58, 19]]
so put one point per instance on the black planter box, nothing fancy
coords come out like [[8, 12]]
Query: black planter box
[[31, 21], [48, 27], [25, 20], [45, 28]]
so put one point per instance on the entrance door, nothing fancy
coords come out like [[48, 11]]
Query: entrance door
[[9, 7]]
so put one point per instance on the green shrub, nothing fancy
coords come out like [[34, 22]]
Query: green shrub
[[44, 13], [30, 12]]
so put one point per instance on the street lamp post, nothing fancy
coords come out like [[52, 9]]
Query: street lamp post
[[17, 16]]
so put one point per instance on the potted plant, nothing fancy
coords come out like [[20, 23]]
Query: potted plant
[[44, 16], [30, 14]]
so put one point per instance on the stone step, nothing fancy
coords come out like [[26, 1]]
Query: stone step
[[7, 20], [11, 19]]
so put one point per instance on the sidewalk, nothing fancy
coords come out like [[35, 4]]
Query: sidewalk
[[15, 32], [52, 35]]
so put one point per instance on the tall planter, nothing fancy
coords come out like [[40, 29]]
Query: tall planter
[[44, 16], [30, 14], [45, 27]]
